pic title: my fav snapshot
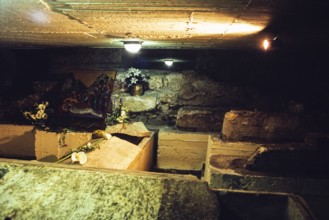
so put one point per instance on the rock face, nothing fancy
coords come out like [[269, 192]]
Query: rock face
[[169, 91], [200, 119], [261, 126], [67, 192]]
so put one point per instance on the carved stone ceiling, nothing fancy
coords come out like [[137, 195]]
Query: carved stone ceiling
[[159, 24]]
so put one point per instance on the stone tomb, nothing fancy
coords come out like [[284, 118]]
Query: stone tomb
[[116, 153], [227, 162], [259, 126]]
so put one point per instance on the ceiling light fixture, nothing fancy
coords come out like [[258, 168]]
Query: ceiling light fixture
[[132, 46], [169, 62]]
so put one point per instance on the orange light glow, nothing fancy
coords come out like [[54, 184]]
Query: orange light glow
[[266, 44]]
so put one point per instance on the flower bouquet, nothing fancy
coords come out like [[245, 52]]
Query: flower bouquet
[[134, 77]]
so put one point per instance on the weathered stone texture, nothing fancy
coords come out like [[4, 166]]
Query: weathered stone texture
[[156, 81], [181, 150], [72, 192], [143, 103], [17, 140], [200, 119], [174, 81], [261, 126], [173, 90]]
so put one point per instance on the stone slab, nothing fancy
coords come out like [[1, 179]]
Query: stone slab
[[120, 154], [225, 172], [200, 119], [289, 159], [136, 129], [17, 141], [262, 127], [145, 158], [146, 102], [114, 153], [181, 150], [50, 146], [73, 192]]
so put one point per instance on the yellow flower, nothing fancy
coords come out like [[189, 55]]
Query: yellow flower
[[44, 116], [42, 106], [27, 115], [39, 114]]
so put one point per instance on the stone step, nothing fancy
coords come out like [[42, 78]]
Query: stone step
[[262, 127], [181, 150]]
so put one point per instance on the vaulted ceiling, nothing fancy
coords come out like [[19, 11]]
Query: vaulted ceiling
[[162, 24]]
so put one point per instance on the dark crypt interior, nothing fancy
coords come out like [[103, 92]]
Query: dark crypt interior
[[220, 113]]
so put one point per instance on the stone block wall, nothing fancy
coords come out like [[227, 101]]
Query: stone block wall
[[192, 94]]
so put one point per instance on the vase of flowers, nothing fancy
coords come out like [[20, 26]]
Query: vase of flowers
[[135, 80]]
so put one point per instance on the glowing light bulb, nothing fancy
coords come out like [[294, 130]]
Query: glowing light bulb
[[266, 44], [169, 62], [132, 46]]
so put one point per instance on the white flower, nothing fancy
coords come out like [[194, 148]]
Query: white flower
[[133, 80], [80, 157], [107, 136]]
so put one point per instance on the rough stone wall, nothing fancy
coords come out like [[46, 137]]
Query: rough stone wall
[[169, 91]]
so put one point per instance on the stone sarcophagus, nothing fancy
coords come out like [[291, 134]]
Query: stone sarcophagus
[[25, 142]]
